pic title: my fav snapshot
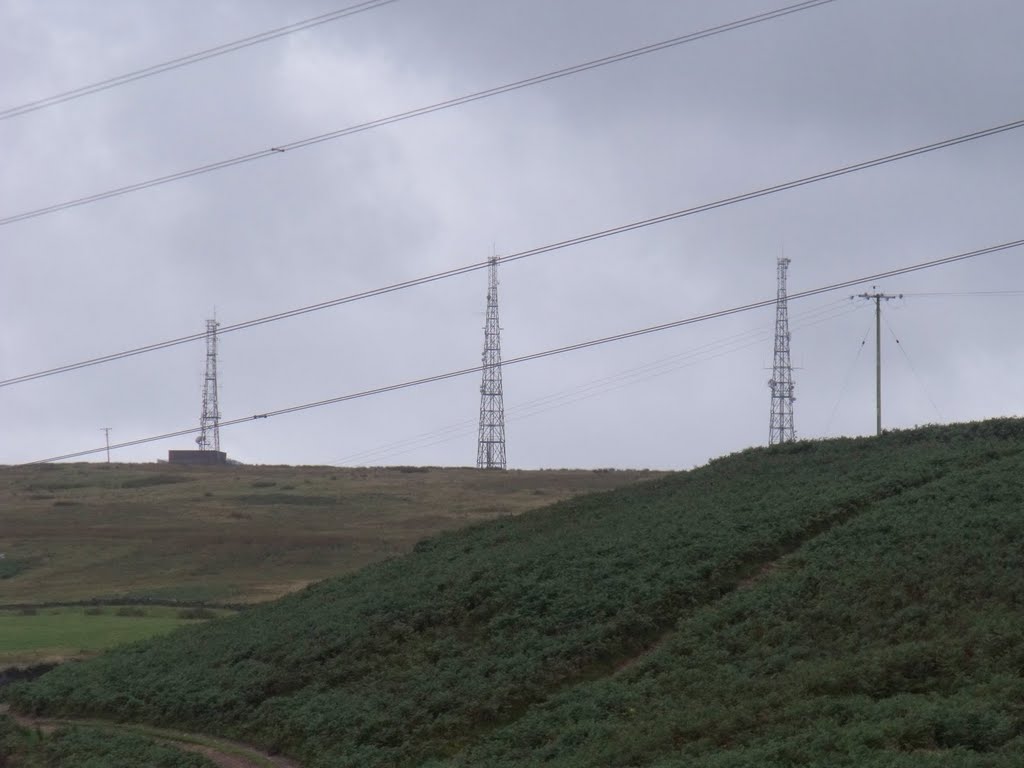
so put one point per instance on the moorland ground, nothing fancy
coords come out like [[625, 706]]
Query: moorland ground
[[834, 604], [148, 533], [239, 534]]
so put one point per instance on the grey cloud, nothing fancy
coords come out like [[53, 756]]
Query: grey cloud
[[839, 84]]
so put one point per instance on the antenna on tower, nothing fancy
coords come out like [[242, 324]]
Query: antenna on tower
[[781, 429], [209, 422], [490, 452]]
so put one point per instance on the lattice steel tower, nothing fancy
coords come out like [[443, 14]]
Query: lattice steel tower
[[781, 429], [490, 452], [209, 422]]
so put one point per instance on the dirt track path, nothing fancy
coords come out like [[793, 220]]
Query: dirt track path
[[221, 752]]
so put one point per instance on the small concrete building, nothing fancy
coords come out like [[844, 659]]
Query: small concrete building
[[197, 458]]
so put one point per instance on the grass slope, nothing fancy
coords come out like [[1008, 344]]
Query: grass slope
[[238, 534], [55, 634], [854, 602]]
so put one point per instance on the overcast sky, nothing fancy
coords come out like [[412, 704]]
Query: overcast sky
[[842, 83]]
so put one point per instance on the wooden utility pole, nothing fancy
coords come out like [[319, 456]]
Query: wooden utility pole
[[877, 298]]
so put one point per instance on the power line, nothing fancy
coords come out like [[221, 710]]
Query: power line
[[192, 58], [580, 240], [575, 394], [965, 293], [848, 379], [560, 350], [913, 369], [600, 386], [418, 112]]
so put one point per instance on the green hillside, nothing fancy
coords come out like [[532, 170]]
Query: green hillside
[[843, 603], [88, 748]]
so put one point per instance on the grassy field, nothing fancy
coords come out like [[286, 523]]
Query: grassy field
[[72, 532], [56, 634], [840, 604]]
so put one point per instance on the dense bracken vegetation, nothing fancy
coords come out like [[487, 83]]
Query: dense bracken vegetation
[[852, 602], [88, 748]]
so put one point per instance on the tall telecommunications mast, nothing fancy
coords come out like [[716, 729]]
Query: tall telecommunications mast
[[781, 429], [209, 422], [490, 452]]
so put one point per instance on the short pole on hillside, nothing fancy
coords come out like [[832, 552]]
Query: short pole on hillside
[[877, 298]]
